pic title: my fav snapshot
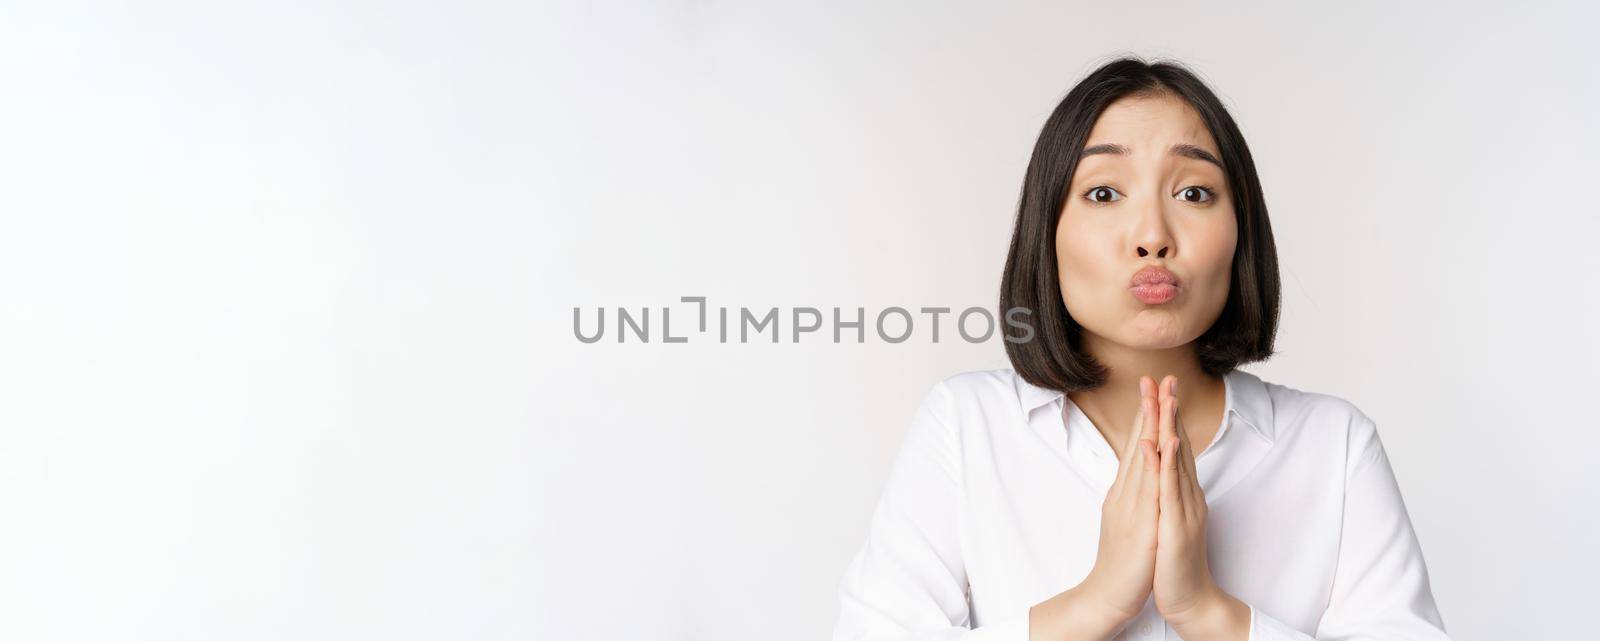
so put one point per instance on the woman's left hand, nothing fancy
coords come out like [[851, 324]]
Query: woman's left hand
[[1185, 594]]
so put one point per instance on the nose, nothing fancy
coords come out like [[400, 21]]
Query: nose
[[1160, 253], [1154, 236]]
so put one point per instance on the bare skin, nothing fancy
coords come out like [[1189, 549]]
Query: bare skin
[[1140, 201]]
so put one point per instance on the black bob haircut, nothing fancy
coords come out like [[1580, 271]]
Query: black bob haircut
[[1052, 357]]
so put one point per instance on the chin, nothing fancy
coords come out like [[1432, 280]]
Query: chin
[[1154, 344], [1144, 334]]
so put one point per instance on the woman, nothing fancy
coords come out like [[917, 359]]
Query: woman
[[1074, 495]]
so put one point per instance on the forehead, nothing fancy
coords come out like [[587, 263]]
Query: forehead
[[1147, 124]]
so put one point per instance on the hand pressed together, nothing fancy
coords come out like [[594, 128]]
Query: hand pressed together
[[1153, 529]]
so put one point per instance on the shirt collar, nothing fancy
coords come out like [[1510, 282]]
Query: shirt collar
[[1246, 397]]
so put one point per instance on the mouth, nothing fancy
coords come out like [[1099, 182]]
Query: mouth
[[1154, 293], [1154, 285]]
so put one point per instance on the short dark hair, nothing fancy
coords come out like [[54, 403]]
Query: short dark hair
[[1053, 357]]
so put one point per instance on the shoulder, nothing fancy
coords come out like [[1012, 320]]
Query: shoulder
[[983, 396], [983, 387], [984, 382], [1322, 417], [1293, 404]]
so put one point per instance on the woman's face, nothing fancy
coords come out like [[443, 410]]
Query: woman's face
[[1147, 193]]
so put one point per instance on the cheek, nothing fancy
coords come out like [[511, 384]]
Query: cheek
[[1078, 256], [1213, 247], [1085, 264]]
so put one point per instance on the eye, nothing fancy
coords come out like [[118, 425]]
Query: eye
[[1102, 194], [1196, 194]]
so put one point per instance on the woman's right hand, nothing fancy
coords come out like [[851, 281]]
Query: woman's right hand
[[1124, 566]]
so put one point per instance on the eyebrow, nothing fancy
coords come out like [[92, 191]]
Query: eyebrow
[[1184, 150]]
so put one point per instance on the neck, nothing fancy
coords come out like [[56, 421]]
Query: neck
[[1113, 406]]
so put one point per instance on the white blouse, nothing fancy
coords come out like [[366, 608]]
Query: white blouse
[[993, 505]]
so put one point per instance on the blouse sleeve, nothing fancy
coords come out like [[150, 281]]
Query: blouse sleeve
[[908, 581], [1380, 586]]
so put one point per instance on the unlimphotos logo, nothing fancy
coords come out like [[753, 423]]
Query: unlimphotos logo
[[890, 324]]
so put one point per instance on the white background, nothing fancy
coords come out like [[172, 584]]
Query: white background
[[286, 294]]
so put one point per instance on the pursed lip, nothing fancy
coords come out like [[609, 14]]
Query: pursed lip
[[1153, 275]]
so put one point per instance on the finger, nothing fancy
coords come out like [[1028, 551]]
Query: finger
[[1146, 392], [1126, 464], [1150, 460], [1127, 461], [1152, 409], [1171, 490], [1150, 475], [1188, 446], [1134, 482], [1139, 419], [1134, 458], [1191, 486], [1182, 461], [1169, 386], [1167, 433]]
